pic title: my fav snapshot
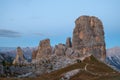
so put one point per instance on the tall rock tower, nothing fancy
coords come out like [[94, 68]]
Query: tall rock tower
[[44, 49], [19, 59], [88, 36]]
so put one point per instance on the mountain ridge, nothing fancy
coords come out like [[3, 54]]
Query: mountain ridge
[[82, 58], [113, 57]]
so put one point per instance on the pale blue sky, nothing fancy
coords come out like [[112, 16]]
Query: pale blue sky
[[26, 22]]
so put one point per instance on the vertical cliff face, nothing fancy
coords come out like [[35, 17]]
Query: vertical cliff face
[[68, 42], [34, 54], [19, 59], [44, 49], [88, 36]]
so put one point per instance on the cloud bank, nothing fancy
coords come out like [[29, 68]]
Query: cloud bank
[[9, 33]]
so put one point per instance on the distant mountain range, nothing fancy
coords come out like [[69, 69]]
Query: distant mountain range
[[11, 51], [113, 57], [7, 49]]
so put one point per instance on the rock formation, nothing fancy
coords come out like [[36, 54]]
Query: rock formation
[[34, 54], [88, 39], [59, 50], [44, 49], [69, 74], [88, 36], [68, 42], [19, 59]]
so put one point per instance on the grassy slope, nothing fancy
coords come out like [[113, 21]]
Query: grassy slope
[[95, 71], [101, 70]]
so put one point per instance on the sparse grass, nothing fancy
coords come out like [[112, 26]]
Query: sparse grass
[[82, 75], [55, 75]]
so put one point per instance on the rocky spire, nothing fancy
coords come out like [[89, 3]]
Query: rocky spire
[[68, 42], [44, 49], [88, 36], [19, 59]]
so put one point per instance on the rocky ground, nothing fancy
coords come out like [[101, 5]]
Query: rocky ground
[[88, 69]]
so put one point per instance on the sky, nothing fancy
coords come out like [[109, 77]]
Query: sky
[[26, 22]]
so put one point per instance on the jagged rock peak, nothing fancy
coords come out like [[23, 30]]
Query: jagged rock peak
[[44, 48], [44, 43], [19, 59], [19, 51], [88, 36], [68, 42]]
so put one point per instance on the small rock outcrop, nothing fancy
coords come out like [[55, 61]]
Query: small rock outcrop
[[60, 49], [68, 42], [88, 36], [44, 49], [19, 59], [69, 74]]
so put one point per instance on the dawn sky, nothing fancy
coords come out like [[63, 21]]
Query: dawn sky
[[26, 22]]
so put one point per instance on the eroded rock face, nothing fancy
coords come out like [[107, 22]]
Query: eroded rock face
[[19, 59], [34, 54], [88, 36], [60, 50], [44, 49], [68, 42]]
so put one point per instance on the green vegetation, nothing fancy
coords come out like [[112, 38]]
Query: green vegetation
[[5, 63]]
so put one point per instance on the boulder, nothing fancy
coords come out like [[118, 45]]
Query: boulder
[[69, 74]]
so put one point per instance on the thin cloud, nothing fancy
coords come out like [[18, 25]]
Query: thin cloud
[[39, 34], [46, 35], [9, 33]]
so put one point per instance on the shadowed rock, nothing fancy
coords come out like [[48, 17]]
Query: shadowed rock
[[34, 54], [68, 42]]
